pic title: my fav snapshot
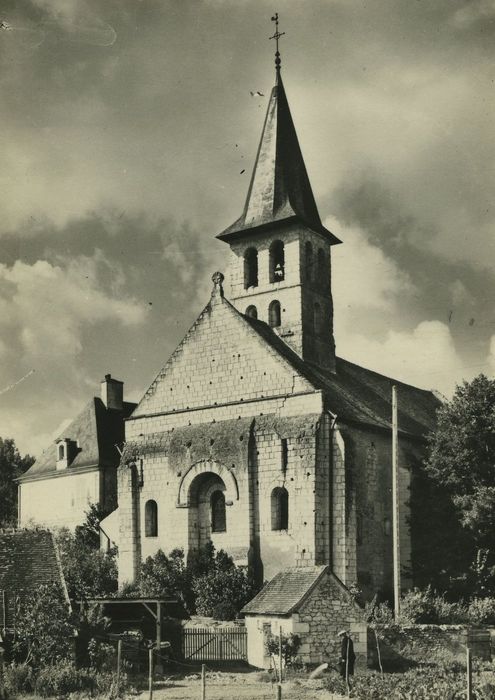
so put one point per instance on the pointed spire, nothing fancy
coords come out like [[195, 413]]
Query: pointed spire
[[280, 189]]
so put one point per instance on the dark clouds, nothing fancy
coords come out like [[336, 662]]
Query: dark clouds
[[119, 164]]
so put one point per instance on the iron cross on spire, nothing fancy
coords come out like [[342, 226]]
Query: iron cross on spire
[[277, 36]]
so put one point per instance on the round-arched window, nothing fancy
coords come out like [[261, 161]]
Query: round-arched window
[[218, 515], [274, 318], [151, 519], [280, 508], [252, 311]]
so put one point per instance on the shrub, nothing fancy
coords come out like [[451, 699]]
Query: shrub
[[64, 678], [290, 647], [481, 611], [18, 678], [418, 607]]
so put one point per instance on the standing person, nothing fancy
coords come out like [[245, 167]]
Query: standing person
[[347, 656]]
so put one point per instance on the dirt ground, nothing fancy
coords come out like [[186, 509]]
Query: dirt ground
[[240, 686]]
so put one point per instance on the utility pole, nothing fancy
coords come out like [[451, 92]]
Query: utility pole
[[395, 503]]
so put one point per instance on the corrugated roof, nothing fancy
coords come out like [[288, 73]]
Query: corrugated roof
[[97, 430], [286, 591], [28, 559]]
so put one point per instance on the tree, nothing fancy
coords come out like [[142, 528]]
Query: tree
[[209, 583], [461, 464], [12, 465], [44, 631], [88, 572]]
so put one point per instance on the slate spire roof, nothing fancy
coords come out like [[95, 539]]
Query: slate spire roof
[[280, 189]]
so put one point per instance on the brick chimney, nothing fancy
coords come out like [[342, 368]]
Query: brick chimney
[[112, 393]]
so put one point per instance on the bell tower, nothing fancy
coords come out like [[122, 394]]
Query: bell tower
[[279, 270]]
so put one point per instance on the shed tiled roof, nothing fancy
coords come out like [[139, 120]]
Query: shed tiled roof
[[286, 591], [357, 394], [97, 430], [28, 559]]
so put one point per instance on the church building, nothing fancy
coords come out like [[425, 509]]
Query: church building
[[255, 435]]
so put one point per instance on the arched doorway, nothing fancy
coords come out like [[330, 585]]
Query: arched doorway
[[208, 519]]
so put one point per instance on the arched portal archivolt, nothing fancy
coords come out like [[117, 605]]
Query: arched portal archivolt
[[205, 467]]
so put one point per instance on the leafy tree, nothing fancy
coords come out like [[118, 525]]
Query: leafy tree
[[208, 583], [461, 464], [88, 534], [221, 593], [88, 572], [44, 631], [167, 576], [12, 465]]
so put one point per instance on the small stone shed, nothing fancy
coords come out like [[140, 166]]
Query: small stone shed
[[312, 603]]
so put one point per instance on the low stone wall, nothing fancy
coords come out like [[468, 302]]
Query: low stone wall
[[415, 644]]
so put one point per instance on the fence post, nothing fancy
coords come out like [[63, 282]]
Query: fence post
[[150, 677], [203, 682], [119, 660], [469, 674]]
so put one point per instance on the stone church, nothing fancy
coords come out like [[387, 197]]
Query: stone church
[[255, 435]]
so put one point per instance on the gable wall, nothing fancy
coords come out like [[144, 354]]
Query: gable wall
[[221, 360], [58, 502]]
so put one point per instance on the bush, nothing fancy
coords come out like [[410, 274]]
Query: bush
[[18, 678], [290, 647], [481, 611], [210, 583], [64, 678], [426, 607]]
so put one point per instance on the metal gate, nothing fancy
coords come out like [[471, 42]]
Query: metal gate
[[214, 644]]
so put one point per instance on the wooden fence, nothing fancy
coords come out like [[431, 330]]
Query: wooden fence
[[210, 644]]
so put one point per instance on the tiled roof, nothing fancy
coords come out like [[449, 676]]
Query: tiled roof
[[357, 394], [97, 430], [28, 559], [284, 593]]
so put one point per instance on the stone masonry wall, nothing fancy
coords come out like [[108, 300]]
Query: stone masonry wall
[[328, 609], [369, 464], [297, 292]]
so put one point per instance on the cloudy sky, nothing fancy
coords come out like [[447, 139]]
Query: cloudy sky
[[118, 166]]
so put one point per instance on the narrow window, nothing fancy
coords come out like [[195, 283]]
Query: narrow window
[[151, 519], [285, 455], [218, 518], [251, 268], [387, 528], [274, 314], [60, 452], [280, 508], [317, 319], [308, 258], [277, 261], [322, 269], [252, 311]]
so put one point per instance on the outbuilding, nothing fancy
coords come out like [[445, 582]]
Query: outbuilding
[[312, 603]]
